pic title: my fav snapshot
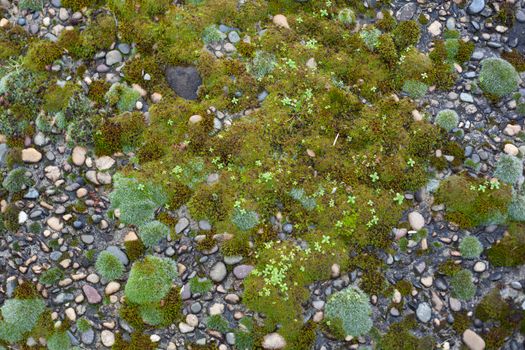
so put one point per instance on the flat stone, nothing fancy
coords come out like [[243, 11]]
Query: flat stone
[[273, 341], [476, 6], [416, 220], [31, 155], [218, 272], [511, 149], [435, 28], [185, 81], [185, 328], [113, 57], [104, 163], [55, 224], [79, 155], [465, 97], [473, 341], [424, 312], [242, 271], [406, 12], [107, 338], [112, 288], [92, 295]]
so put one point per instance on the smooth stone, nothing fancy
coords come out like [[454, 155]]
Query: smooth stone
[[31, 155], [218, 272], [281, 21], [113, 57], [79, 155], [242, 271], [107, 338], [416, 220], [185, 81], [92, 295], [476, 6], [116, 251], [424, 312], [472, 340]]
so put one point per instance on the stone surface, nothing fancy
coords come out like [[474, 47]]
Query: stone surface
[[473, 341], [281, 21], [273, 341], [416, 220], [31, 155], [185, 81]]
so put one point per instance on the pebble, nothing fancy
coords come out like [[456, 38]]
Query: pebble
[[113, 57], [112, 288], [473, 341], [273, 341], [242, 271], [92, 295], [31, 155], [416, 220], [424, 312], [218, 272], [79, 155], [107, 338], [476, 6], [480, 266]]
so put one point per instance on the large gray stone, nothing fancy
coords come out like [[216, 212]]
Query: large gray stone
[[185, 81]]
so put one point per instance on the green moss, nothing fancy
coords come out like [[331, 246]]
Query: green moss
[[77, 5], [199, 285], [97, 91], [150, 280], [138, 341], [109, 266], [218, 323], [515, 58], [41, 54], [10, 218], [134, 249], [471, 202], [462, 286], [400, 337], [51, 276], [449, 268], [510, 251], [461, 322], [406, 34], [497, 77]]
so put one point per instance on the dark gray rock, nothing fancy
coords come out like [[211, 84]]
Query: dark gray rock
[[185, 81]]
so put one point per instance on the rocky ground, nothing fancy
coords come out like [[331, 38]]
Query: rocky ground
[[64, 217]]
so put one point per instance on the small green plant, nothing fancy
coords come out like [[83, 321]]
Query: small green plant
[[200, 285], [346, 16], [470, 247], [211, 34], [244, 219], [33, 5], [17, 180], [498, 77], [152, 232], [136, 201], [218, 323], [83, 325], [150, 280], [350, 309], [59, 340], [122, 96], [262, 64], [109, 266], [462, 286], [308, 202], [509, 169], [19, 317], [517, 206], [447, 119], [370, 37], [51, 276], [415, 89]]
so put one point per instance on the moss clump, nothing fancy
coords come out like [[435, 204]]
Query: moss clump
[[462, 286], [515, 58], [471, 202], [17, 180], [150, 280], [19, 317], [121, 133], [510, 251], [415, 89], [10, 218], [152, 232], [447, 119], [51, 276], [57, 97], [352, 307], [134, 249], [109, 266], [59, 341], [138, 341], [33, 5], [461, 322], [498, 77], [509, 169], [406, 34], [97, 91], [200, 285], [470, 247], [122, 97], [41, 54], [136, 201], [400, 337], [77, 5]]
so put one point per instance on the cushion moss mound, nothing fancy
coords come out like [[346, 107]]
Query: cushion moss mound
[[350, 309], [498, 77], [150, 280]]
